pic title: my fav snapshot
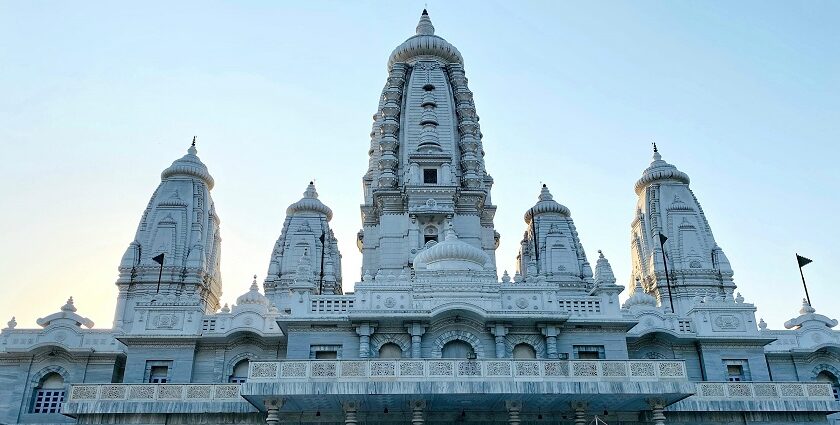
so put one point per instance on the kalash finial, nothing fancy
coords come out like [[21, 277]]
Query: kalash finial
[[192, 149], [425, 27], [656, 155]]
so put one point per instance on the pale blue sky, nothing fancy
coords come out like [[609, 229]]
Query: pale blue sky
[[96, 98]]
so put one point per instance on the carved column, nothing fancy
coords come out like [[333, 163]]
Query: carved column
[[273, 408], [550, 333], [351, 408], [416, 330], [580, 412], [514, 408], [417, 408], [364, 330], [657, 407], [499, 331]]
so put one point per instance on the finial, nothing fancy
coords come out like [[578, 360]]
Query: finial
[[656, 155], [600, 254], [762, 324], [425, 27], [11, 323], [254, 286], [192, 149], [69, 305], [310, 191], [545, 195], [655, 150], [226, 308]]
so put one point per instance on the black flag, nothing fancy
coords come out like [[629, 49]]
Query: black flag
[[159, 259], [803, 261], [662, 239]]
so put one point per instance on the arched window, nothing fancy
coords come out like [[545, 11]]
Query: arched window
[[49, 395], [457, 349], [240, 372], [524, 351], [828, 377], [390, 351]]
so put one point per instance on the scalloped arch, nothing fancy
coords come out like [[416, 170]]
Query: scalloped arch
[[236, 359], [378, 340], [823, 367], [39, 375], [461, 335], [535, 341]]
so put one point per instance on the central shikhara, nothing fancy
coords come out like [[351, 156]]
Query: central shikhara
[[434, 332]]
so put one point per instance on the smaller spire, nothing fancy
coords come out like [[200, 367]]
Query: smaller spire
[[425, 27]]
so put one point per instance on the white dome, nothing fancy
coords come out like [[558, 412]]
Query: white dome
[[452, 254], [310, 203], [253, 296], [425, 43], [189, 165], [546, 205], [659, 170], [640, 298]]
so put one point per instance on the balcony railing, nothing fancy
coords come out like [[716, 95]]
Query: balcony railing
[[764, 390], [146, 392], [420, 370]]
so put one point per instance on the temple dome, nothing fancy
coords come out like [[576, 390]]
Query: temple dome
[[253, 296], [546, 204], [640, 298], [452, 254], [310, 203], [425, 43], [189, 166], [659, 170]]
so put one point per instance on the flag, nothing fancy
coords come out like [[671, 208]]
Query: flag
[[803, 261], [159, 259], [662, 239]]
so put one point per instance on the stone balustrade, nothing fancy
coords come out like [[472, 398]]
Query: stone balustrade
[[764, 390], [500, 369], [148, 392]]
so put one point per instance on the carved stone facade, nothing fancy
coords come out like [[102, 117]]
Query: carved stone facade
[[433, 333]]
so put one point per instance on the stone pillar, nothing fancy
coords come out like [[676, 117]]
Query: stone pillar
[[364, 330], [273, 408], [514, 408], [657, 407], [499, 331], [351, 408], [416, 330], [417, 408], [550, 333], [580, 412]]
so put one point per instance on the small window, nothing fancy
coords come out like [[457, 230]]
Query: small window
[[49, 395], [589, 352], [430, 176], [737, 370], [159, 375], [326, 355], [240, 373]]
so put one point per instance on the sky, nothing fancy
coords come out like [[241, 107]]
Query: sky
[[97, 98]]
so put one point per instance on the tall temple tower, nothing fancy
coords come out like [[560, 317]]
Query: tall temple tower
[[696, 265], [426, 171], [180, 223]]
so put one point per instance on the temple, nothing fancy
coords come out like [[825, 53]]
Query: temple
[[432, 332]]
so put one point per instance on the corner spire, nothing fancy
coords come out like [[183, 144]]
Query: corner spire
[[425, 27]]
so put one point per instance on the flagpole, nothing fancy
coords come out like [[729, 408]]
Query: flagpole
[[662, 239], [802, 275], [160, 275]]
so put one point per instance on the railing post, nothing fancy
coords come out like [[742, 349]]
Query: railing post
[[514, 408], [657, 408], [417, 409], [580, 412], [350, 409], [273, 406]]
